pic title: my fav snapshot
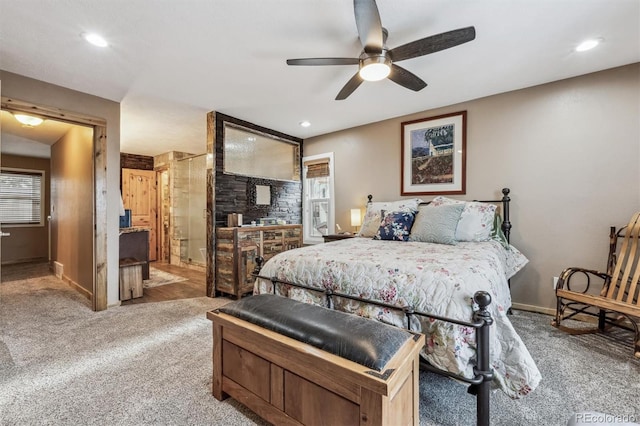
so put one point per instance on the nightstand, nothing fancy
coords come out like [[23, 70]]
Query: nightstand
[[336, 237]]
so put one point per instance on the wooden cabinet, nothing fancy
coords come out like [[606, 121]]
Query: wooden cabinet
[[238, 247]]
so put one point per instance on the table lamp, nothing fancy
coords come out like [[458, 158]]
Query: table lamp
[[356, 218]]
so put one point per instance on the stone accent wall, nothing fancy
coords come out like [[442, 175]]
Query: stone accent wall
[[236, 194]]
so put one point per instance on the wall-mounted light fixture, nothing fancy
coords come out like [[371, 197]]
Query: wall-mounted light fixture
[[356, 218], [28, 120]]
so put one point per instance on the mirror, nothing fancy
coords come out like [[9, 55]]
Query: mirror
[[263, 195], [251, 153]]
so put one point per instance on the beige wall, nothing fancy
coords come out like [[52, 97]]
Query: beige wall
[[30, 242], [39, 92], [72, 205], [569, 151]]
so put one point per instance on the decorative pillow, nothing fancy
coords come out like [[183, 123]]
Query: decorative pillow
[[437, 224], [370, 224], [476, 220], [373, 215], [395, 226]]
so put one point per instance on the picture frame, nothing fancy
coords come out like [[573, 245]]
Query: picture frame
[[434, 155]]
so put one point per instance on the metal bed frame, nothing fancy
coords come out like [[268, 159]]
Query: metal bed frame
[[480, 384], [482, 320]]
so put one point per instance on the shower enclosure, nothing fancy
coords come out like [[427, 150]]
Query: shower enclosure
[[191, 209]]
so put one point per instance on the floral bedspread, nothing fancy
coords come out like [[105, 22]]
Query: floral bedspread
[[433, 278]]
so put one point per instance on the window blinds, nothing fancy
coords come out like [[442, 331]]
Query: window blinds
[[316, 169], [20, 197]]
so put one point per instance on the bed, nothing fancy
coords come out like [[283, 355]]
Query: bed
[[432, 277]]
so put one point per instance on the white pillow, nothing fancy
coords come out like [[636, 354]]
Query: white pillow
[[436, 224], [373, 215], [476, 220]]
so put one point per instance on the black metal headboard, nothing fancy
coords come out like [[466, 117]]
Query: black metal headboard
[[506, 223]]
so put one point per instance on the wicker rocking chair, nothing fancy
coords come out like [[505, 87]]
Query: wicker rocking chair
[[618, 298]]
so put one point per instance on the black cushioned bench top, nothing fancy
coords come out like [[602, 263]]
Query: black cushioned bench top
[[364, 341]]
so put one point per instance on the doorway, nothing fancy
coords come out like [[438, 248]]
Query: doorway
[[164, 215], [139, 195], [191, 202], [94, 282]]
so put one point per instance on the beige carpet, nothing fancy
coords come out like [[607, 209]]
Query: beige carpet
[[144, 364], [150, 364]]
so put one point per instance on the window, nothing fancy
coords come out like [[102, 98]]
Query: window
[[319, 198], [21, 197]]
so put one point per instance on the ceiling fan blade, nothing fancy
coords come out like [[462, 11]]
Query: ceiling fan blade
[[406, 79], [369, 25], [324, 61], [433, 44], [348, 88]]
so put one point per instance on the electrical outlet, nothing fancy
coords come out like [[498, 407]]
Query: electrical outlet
[[555, 282]]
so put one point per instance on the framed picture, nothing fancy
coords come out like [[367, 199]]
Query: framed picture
[[434, 155]]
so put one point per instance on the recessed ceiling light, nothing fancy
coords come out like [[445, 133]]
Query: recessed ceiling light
[[28, 120], [95, 39], [305, 123], [588, 45]]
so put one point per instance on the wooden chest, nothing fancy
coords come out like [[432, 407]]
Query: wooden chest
[[238, 247], [288, 382]]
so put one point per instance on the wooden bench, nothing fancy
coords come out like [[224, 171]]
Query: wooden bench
[[293, 363], [620, 290]]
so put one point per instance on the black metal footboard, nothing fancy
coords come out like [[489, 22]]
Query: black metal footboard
[[480, 384]]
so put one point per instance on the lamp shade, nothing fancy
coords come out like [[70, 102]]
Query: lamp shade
[[356, 218]]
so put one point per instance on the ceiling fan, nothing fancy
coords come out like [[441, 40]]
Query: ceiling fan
[[376, 61]]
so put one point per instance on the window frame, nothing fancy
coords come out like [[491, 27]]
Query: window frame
[[306, 200], [33, 172]]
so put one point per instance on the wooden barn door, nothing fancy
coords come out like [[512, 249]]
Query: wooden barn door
[[139, 194]]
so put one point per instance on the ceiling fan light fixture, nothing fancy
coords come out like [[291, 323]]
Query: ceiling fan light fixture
[[375, 68], [28, 120]]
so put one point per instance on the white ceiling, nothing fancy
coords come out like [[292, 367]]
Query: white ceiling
[[170, 62]]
